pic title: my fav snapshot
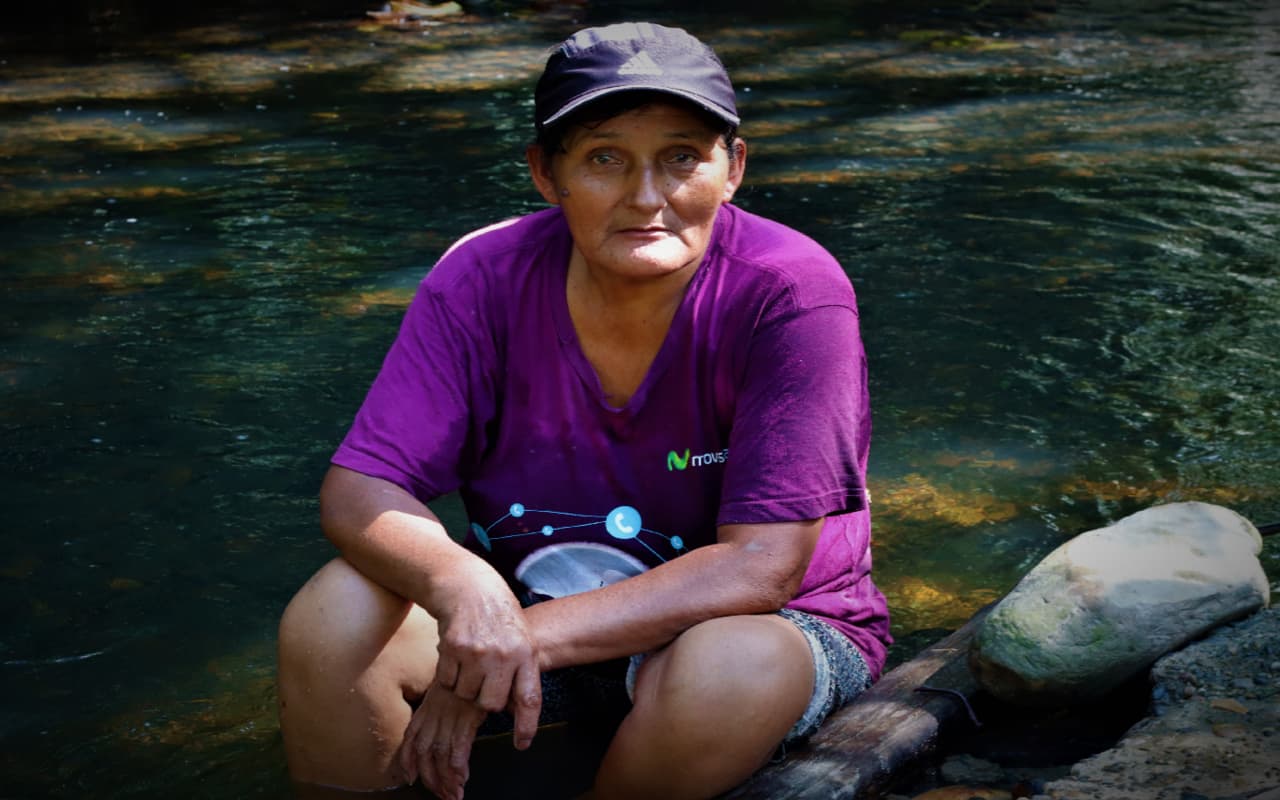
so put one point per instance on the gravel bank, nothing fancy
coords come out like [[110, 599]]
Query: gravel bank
[[1211, 731], [1214, 728]]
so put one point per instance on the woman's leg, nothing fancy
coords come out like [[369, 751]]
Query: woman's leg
[[352, 657], [710, 709]]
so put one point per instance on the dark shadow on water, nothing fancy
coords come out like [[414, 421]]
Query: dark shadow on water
[[560, 765], [1032, 745], [307, 791], [1017, 737]]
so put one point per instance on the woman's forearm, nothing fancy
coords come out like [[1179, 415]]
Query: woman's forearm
[[752, 570], [485, 653], [392, 538]]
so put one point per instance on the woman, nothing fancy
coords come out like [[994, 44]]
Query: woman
[[654, 407]]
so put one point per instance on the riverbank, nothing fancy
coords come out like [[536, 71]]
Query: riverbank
[[1211, 731]]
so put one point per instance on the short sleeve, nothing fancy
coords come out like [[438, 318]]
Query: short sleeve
[[422, 419], [801, 424]]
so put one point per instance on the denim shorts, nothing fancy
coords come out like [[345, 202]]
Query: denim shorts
[[839, 672], [604, 691]]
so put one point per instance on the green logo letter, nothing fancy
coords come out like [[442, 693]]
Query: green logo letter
[[674, 461]]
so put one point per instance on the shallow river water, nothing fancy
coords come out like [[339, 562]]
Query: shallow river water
[[1062, 221]]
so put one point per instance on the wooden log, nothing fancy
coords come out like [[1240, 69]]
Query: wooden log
[[891, 727]]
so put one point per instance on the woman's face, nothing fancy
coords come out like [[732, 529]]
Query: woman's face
[[640, 191]]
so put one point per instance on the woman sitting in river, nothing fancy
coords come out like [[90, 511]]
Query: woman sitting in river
[[654, 407]]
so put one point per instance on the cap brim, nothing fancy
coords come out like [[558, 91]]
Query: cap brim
[[589, 97]]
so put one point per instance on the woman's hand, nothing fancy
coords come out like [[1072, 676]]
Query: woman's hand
[[437, 744], [488, 662], [487, 654]]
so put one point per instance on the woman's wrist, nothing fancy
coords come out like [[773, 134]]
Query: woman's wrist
[[546, 625], [456, 575]]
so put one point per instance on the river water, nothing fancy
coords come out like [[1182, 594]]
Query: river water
[[1062, 221]]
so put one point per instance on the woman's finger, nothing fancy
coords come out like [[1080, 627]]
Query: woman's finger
[[526, 703], [448, 670], [464, 735], [494, 693], [449, 786], [405, 756], [451, 768], [468, 683], [427, 753], [456, 767], [428, 741]]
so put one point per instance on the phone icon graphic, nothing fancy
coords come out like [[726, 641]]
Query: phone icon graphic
[[623, 523]]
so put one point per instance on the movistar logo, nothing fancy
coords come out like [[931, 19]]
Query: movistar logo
[[677, 462]]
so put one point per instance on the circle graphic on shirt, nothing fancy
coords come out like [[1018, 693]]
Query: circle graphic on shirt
[[482, 536], [623, 523], [559, 570]]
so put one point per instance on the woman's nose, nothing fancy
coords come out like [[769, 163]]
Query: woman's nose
[[647, 188]]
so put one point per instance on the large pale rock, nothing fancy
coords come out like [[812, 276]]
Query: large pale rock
[[1108, 603]]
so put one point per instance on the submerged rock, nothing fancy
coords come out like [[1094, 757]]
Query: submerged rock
[[1108, 603], [965, 793], [963, 769]]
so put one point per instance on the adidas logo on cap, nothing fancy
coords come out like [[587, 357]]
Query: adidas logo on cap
[[595, 62], [640, 64]]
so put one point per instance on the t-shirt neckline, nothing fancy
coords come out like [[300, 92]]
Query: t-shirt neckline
[[572, 348]]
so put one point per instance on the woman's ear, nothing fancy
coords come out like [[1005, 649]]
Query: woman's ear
[[540, 171], [737, 167]]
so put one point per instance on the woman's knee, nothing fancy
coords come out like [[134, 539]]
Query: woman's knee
[[732, 662], [709, 709], [340, 622], [352, 656]]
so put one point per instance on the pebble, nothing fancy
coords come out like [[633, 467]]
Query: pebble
[[1228, 704]]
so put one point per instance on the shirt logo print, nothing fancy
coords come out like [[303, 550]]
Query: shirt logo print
[[678, 463]]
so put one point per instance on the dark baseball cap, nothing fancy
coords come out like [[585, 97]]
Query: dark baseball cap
[[597, 62]]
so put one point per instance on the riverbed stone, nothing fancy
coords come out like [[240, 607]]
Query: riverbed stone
[[1106, 604], [964, 769], [1189, 748]]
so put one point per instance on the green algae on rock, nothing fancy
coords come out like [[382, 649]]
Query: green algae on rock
[[1109, 602]]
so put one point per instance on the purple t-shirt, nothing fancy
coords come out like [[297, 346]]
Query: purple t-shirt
[[754, 410]]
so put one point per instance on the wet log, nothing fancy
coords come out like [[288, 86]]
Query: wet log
[[893, 726]]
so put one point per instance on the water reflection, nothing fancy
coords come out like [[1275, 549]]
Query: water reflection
[[1061, 223]]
